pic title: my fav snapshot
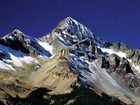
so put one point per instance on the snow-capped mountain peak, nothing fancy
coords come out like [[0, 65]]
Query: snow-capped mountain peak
[[17, 31], [14, 35], [69, 32], [17, 48]]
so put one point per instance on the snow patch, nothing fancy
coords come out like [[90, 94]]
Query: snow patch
[[5, 66], [18, 61], [136, 67], [111, 51], [46, 46], [15, 60]]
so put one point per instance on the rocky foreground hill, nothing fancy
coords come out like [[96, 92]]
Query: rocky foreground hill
[[68, 66]]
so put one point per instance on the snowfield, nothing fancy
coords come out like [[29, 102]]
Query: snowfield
[[5, 66], [46, 46]]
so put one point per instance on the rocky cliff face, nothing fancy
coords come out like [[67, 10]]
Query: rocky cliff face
[[70, 54]]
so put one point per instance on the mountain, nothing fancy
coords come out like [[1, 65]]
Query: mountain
[[70, 62], [16, 48]]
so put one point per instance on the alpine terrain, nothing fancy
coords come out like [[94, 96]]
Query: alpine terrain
[[68, 66]]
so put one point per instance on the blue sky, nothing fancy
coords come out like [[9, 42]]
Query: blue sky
[[112, 20]]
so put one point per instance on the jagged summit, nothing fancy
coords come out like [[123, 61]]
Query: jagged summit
[[73, 25], [16, 31], [68, 19], [15, 35], [17, 40], [70, 31]]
